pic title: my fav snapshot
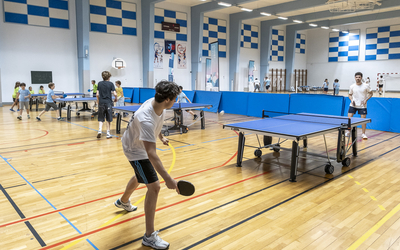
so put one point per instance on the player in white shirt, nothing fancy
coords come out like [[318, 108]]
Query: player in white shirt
[[139, 145], [359, 94], [381, 82], [256, 85]]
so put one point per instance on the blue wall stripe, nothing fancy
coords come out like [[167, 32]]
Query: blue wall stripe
[[38, 11], [113, 4], [15, 18], [128, 14], [59, 23], [58, 4], [99, 10]]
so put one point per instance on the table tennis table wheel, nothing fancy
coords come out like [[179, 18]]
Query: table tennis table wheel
[[346, 162], [185, 130], [329, 168], [78, 114], [166, 133], [258, 153], [277, 149]]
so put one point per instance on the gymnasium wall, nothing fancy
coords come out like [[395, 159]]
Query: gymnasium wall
[[223, 62], [319, 68], [300, 60], [247, 54], [104, 47], [25, 48], [181, 76]]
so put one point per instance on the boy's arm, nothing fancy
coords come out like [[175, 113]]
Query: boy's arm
[[115, 95], [97, 96], [158, 166], [188, 99], [17, 95]]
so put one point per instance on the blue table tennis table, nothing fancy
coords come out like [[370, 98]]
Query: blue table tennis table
[[178, 116], [297, 127], [84, 100], [45, 95]]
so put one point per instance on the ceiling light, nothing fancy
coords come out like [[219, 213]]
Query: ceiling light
[[245, 9], [224, 4], [324, 27], [297, 21], [345, 31], [313, 25], [265, 14], [283, 18], [336, 30]]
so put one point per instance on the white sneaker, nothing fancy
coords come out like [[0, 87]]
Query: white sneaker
[[365, 137], [155, 241], [29, 117], [109, 135], [127, 206]]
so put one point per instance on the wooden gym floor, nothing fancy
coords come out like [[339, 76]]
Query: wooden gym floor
[[59, 183]]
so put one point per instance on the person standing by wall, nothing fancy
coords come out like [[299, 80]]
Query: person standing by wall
[[325, 86], [336, 87]]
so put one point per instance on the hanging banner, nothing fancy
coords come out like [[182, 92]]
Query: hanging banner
[[169, 47], [251, 74], [181, 51], [209, 85], [158, 53], [214, 66], [171, 67]]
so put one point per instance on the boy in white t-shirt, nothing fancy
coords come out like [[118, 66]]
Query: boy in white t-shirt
[[381, 82], [139, 145], [359, 94]]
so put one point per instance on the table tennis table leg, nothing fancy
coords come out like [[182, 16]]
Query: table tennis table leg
[[293, 167], [203, 120], [37, 104], [59, 109], [30, 103], [240, 149], [305, 143], [354, 139], [69, 112], [118, 125]]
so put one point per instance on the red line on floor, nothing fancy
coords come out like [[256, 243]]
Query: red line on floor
[[85, 203], [141, 215], [75, 143], [46, 133]]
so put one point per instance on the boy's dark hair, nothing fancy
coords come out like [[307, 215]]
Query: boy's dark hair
[[381, 76], [50, 85], [166, 90], [41, 86], [105, 75], [94, 81], [336, 80], [180, 87], [22, 84], [359, 74], [118, 82]]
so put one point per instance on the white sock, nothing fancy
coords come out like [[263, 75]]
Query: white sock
[[108, 131]]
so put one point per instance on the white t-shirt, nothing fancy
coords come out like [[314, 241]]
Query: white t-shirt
[[145, 125], [381, 81], [360, 93], [256, 82]]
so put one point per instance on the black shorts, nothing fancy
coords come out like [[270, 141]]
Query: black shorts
[[326, 89], [144, 171], [380, 85], [353, 110], [267, 86], [105, 112], [94, 94], [15, 99], [50, 105]]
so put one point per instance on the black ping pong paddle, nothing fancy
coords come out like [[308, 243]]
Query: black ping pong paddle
[[185, 188]]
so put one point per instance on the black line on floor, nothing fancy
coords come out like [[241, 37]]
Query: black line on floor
[[22, 216]]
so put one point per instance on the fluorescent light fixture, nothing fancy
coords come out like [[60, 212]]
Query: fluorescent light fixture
[[283, 18], [297, 21], [224, 4], [246, 9], [265, 14], [324, 27], [345, 31], [313, 25], [336, 30]]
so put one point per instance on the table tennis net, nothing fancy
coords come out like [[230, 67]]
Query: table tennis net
[[314, 118]]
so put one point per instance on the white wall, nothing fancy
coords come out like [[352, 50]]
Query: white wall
[[26, 48], [104, 47], [319, 68], [223, 62], [181, 76], [246, 55]]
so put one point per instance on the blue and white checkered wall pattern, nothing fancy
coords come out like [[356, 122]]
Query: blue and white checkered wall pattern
[[162, 15], [214, 30], [249, 36], [48, 13], [344, 47], [301, 43], [382, 43], [115, 17], [277, 46]]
